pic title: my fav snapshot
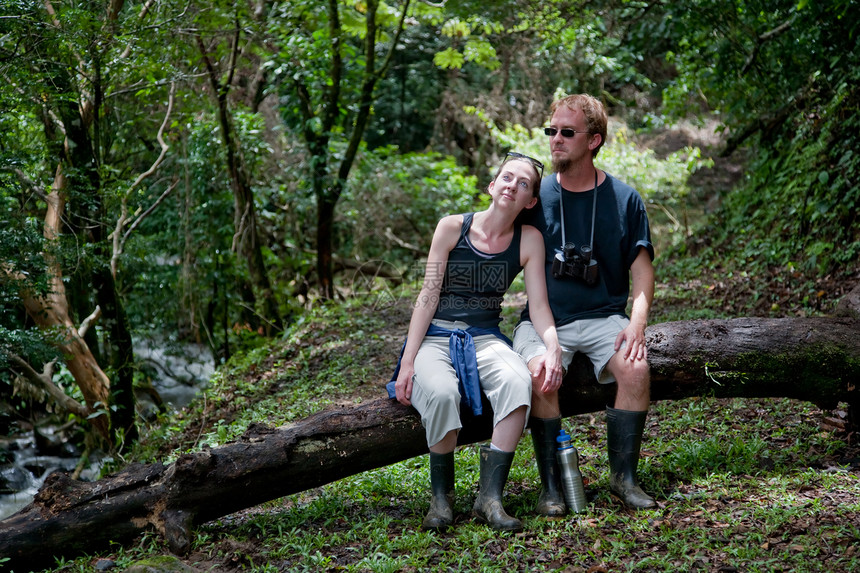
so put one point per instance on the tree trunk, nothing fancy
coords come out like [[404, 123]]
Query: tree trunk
[[246, 241], [325, 248], [327, 197], [51, 313], [123, 415], [814, 359]]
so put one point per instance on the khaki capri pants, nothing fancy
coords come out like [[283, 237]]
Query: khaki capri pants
[[504, 376]]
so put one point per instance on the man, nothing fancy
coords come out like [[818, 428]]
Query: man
[[597, 236]]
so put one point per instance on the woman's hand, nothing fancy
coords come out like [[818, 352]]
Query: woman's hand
[[403, 385], [549, 364]]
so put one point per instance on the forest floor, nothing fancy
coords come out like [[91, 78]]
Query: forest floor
[[692, 508]]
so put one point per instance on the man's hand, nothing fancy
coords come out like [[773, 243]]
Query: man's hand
[[634, 339]]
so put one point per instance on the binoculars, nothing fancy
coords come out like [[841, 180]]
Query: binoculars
[[575, 262]]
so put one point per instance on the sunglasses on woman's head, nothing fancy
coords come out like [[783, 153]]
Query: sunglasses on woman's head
[[532, 160]]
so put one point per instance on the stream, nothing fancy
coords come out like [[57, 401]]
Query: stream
[[26, 460]]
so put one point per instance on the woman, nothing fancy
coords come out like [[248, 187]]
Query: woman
[[473, 259]]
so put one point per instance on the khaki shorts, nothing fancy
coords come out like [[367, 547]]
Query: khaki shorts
[[594, 337], [505, 380]]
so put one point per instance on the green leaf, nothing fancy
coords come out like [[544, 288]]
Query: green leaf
[[481, 52], [449, 58]]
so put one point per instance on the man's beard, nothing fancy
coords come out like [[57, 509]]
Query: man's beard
[[561, 165]]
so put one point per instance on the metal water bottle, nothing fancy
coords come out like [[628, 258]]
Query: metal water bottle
[[571, 478]]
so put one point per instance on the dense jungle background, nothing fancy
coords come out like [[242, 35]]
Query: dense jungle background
[[239, 186]]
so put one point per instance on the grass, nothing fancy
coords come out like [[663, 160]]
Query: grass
[[725, 511], [743, 485]]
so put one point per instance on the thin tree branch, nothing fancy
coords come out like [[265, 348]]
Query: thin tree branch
[[389, 234], [762, 39], [370, 78], [44, 382], [763, 123], [88, 321], [28, 183], [386, 63], [234, 56], [120, 246], [143, 12], [119, 239], [160, 137], [332, 95], [149, 211]]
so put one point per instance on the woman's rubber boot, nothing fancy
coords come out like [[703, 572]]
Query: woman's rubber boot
[[544, 432], [624, 436], [441, 514], [488, 508]]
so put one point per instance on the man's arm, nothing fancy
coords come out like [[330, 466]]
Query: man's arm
[[642, 272]]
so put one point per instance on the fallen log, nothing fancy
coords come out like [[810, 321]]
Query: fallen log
[[815, 359]]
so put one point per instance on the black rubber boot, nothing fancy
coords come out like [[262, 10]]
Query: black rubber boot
[[544, 432], [441, 514], [624, 436], [488, 508]]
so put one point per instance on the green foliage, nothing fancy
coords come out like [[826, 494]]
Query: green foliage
[[449, 58], [185, 249], [745, 59], [70, 120], [318, 71], [567, 43], [409, 97], [22, 248], [797, 208], [783, 78], [28, 344], [794, 220], [394, 196]]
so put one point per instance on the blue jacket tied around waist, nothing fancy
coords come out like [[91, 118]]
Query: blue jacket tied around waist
[[464, 359]]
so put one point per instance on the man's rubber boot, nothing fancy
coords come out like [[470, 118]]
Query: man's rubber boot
[[488, 508], [441, 514], [624, 436], [544, 432]]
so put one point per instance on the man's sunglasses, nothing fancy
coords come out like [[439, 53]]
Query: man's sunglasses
[[514, 155], [565, 132]]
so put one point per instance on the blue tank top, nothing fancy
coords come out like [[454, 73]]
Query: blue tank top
[[475, 282]]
